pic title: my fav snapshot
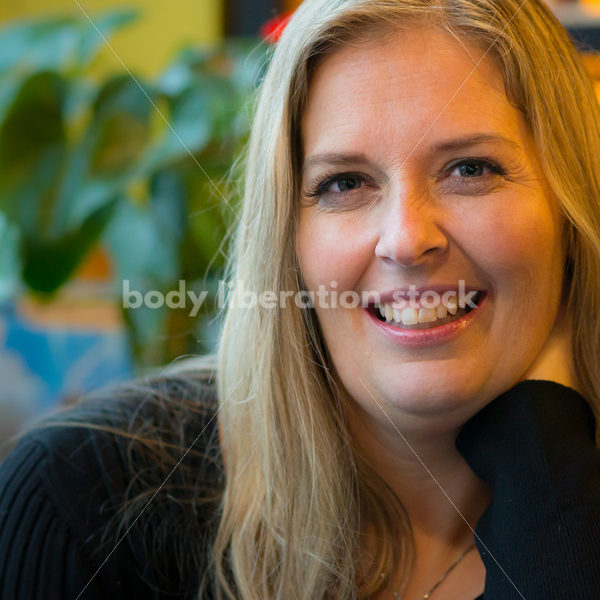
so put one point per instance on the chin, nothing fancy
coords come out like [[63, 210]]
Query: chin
[[429, 394]]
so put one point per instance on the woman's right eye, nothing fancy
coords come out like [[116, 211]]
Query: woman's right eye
[[346, 183], [336, 184]]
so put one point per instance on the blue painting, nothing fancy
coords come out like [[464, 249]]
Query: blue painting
[[42, 368]]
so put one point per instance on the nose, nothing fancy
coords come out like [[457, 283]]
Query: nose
[[410, 230]]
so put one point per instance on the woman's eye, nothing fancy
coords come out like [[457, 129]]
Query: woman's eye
[[476, 168], [342, 183], [472, 177], [346, 183]]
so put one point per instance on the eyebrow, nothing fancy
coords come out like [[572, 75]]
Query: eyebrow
[[472, 140], [336, 158]]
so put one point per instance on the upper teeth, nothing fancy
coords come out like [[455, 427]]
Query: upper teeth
[[411, 316]]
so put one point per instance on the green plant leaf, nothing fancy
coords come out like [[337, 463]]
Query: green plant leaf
[[10, 259], [32, 150], [38, 44], [107, 157], [145, 252], [190, 120], [175, 80], [48, 264], [34, 121], [58, 42], [91, 41], [121, 122]]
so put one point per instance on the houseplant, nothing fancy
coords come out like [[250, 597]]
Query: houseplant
[[138, 168]]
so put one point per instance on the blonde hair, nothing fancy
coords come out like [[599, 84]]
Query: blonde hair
[[297, 489]]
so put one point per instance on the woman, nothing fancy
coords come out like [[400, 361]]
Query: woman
[[368, 448]]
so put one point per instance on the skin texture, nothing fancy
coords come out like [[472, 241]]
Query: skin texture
[[409, 215]]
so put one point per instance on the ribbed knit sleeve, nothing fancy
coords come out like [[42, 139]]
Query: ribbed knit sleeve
[[540, 536], [88, 513], [39, 558]]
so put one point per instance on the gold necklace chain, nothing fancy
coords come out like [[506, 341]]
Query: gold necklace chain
[[439, 581]]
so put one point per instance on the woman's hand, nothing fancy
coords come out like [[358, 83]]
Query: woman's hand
[[554, 362]]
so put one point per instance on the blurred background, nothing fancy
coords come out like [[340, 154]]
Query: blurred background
[[120, 124]]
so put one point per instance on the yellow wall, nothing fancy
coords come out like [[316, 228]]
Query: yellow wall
[[147, 45]]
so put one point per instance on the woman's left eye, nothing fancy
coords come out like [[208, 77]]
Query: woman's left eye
[[472, 177], [475, 168]]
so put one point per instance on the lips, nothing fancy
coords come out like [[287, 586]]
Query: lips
[[417, 334]]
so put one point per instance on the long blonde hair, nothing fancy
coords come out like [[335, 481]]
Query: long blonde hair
[[297, 489]]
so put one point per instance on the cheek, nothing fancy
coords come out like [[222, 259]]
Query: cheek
[[515, 236], [521, 254], [326, 252], [512, 249]]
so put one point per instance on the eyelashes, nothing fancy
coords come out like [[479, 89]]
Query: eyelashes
[[495, 168], [471, 172], [319, 188]]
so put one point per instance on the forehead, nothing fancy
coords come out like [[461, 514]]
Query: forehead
[[417, 81]]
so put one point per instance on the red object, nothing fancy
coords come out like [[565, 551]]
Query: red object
[[271, 30]]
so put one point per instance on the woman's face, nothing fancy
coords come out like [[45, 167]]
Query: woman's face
[[418, 171]]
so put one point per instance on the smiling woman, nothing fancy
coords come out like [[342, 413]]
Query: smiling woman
[[437, 438], [467, 201]]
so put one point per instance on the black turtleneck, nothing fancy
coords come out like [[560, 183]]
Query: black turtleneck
[[539, 538]]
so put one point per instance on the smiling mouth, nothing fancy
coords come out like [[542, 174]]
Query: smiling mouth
[[423, 318]]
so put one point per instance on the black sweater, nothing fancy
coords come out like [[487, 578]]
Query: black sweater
[[60, 486]]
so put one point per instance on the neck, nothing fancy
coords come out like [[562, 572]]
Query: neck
[[439, 491]]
